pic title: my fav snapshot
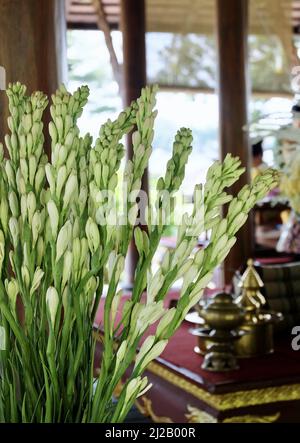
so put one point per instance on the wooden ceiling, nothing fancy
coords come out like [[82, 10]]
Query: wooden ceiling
[[81, 14], [176, 15]]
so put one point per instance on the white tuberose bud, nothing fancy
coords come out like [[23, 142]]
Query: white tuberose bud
[[14, 230], [93, 236], [63, 239], [52, 301], [53, 217], [70, 189], [12, 289], [37, 277]]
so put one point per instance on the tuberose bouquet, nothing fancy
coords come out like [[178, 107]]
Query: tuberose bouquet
[[60, 234]]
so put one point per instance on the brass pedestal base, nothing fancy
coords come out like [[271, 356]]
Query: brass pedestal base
[[220, 356], [216, 361]]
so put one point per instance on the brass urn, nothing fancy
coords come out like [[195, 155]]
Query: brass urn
[[258, 322], [223, 318], [195, 318], [200, 327]]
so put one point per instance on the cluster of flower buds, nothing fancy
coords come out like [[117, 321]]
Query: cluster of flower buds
[[141, 139], [105, 159], [83, 161], [141, 241], [144, 315], [25, 144], [222, 239], [16, 98], [135, 388], [104, 163], [67, 170], [182, 147], [80, 250], [150, 349], [55, 251], [220, 176], [24, 176], [66, 108], [249, 195]]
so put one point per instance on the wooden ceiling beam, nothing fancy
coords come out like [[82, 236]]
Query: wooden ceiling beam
[[111, 2], [89, 9], [81, 9], [77, 18], [92, 18], [112, 9], [161, 17]]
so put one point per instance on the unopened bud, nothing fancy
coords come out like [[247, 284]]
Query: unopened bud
[[52, 301]]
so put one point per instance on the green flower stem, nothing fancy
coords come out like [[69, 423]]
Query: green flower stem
[[112, 383], [170, 278], [52, 365], [138, 288], [17, 330], [98, 296], [65, 337], [108, 342]]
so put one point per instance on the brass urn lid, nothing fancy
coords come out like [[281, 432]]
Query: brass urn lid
[[221, 301]]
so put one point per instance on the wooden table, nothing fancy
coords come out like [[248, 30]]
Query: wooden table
[[265, 389], [178, 395]]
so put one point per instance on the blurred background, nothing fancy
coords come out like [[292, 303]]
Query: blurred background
[[229, 70], [181, 56]]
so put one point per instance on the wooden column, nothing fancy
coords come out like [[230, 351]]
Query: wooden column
[[134, 71], [32, 46], [232, 34]]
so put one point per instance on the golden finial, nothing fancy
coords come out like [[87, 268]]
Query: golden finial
[[251, 279], [251, 283], [258, 321]]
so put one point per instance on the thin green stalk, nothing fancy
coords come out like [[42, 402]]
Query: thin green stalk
[[17, 330], [98, 297]]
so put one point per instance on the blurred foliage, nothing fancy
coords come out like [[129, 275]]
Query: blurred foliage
[[84, 67], [269, 69], [191, 60]]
